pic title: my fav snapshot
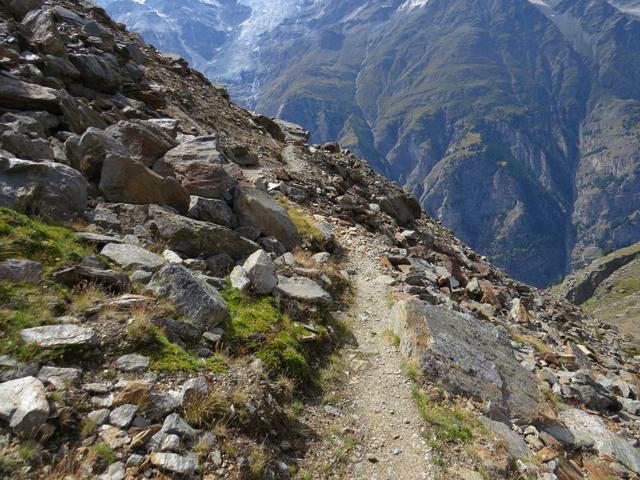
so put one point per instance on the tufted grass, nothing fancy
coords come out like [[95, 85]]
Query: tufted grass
[[310, 234]]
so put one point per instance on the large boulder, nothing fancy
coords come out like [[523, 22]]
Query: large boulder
[[192, 296], [199, 167], [23, 403], [132, 256], [402, 208], [99, 72], [256, 208], [20, 95], [44, 32], [86, 153], [24, 137], [261, 272], [301, 289], [48, 189], [19, 8], [145, 142], [195, 238], [63, 335], [128, 181], [591, 431], [212, 210], [469, 356]]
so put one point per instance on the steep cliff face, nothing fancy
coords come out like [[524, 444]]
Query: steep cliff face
[[516, 123]]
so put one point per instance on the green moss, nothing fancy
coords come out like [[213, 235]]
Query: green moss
[[255, 326], [103, 451], [310, 234], [169, 357], [52, 245]]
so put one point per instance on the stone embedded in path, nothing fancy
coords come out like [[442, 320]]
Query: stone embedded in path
[[301, 289], [132, 256], [471, 357], [23, 403], [51, 336]]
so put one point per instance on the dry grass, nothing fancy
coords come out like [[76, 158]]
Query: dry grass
[[203, 410], [86, 297]]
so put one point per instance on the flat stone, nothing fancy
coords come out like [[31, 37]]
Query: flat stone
[[59, 336], [174, 424], [301, 289], [173, 462], [123, 415], [132, 256], [20, 270], [60, 378], [132, 363]]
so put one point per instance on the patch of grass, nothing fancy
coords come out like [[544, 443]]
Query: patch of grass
[[451, 425], [169, 357], [258, 461], [204, 410], [255, 326], [393, 338], [103, 451], [531, 341], [9, 465], [412, 370], [52, 245], [87, 428], [86, 297], [310, 234]]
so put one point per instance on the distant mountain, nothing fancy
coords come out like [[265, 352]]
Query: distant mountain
[[515, 122]]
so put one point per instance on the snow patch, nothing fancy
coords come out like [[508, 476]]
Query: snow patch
[[411, 4]]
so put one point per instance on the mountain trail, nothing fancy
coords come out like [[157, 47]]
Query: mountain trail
[[376, 397]]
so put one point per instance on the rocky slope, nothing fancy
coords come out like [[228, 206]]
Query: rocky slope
[[188, 316], [608, 289], [514, 122]]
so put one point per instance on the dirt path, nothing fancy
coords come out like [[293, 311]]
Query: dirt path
[[377, 394], [379, 391]]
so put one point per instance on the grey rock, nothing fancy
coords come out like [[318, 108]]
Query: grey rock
[[161, 404], [193, 297], [513, 442], [213, 211], [87, 153], [301, 289], [20, 270], [239, 279], [162, 441], [261, 272], [98, 238], [402, 208], [199, 167], [167, 125], [65, 335], [132, 256], [193, 389], [256, 208], [471, 357], [116, 282], [173, 462], [145, 142], [140, 276], [98, 72], [23, 403], [135, 460], [220, 265], [127, 180], [174, 424], [99, 417], [24, 137], [320, 258], [60, 378], [47, 189], [115, 471], [20, 8], [592, 431], [11, 369], [194, 238], [132, 363], [122, 416], [114, 437]]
